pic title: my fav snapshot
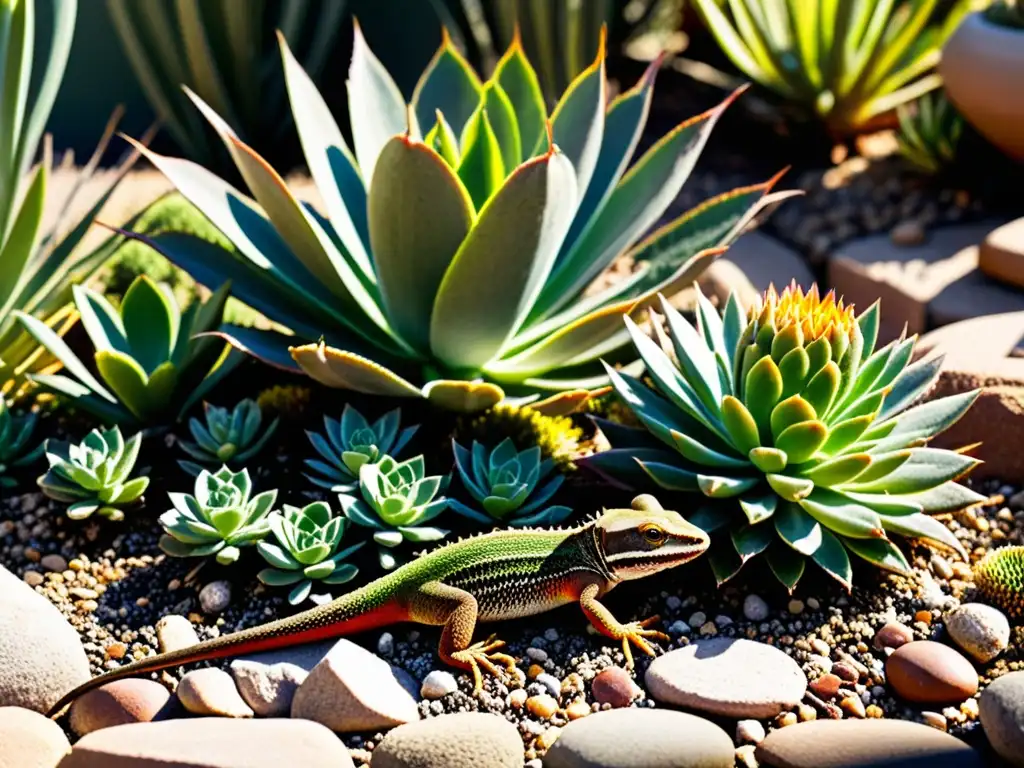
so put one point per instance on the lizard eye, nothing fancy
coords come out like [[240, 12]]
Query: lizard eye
[[652, 534]]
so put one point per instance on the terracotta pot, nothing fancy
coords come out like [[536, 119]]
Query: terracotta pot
[[983, 69]]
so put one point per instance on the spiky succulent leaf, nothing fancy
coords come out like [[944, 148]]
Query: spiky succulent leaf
[[803, 423], [226, 437]]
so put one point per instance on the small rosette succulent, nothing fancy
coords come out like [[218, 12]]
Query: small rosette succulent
[[219, 519], [396, 500], [349, 443], [226, 437], [505, 483], [306, 550], [92, 476], [796, 430], [15, 432]]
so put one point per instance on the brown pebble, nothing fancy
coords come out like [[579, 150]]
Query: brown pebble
[[613, 686], [54, 563], [826, 686], [892, 635], [549, 737], [785, 719], [119, 703], [534, 671], [32, 555], [33, 578], [935, 720], [931, 673], [845, 672], [925, 617], [542, 706], [142, 602], [116, 650], [853, 706]]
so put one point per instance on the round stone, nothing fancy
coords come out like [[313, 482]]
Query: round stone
[[215, 597], [464, 740], [1002, 716], [438, 684], [212, 692], [892, 635], [641, 738], [755, 608], [931, 673], [173, 633], [613, 686], [826, 686], [731, 677], [981, 630], [30, 740], [865, 744], [134, 700]]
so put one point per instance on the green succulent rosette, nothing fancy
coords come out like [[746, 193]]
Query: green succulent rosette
[[803, 439], [225, 436]]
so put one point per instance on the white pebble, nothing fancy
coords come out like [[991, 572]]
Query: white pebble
[[386, 644], [438, 684], [754, 608], [550, 682], [537, 654], [749, 732], [215, 597]]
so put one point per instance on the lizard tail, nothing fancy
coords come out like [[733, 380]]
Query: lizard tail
[[344, 616]]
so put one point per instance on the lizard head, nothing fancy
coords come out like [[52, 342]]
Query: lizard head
[[647, 538]]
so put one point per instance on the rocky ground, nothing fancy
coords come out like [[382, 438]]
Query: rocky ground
[[748, 660]]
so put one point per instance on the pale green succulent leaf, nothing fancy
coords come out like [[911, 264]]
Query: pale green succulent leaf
[[724, 487], [797, 529], [768, 460], [832, 558], [922, 422], [879, 552], [802, 441], [481, 166], [758, 507], [924, 469], [843, 515], [839, 470], [150, 319], [448, 85], [921, 526], [790, 488], [517, 78]]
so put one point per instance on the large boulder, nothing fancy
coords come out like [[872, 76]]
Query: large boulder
[[41, 656]]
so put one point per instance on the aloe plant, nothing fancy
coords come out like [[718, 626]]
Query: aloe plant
[[847, 62], [796, 431], [226, 437], [461, 235], [395, 501], [930, 130], [504, 482], [147, 353], [39, 265], [15, 434], [350, 442], [93, 476], [224, 51], [306, 550], [219, 519]]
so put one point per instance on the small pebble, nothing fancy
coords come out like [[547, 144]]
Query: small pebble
[[796, 607], [935, 720], [438, 684], [746, 757], [577, 709], [386, 644], [54, 563], [845, 672], [552, 683], [33, 578], [806, 713], [786, 719], [853, 706], [698, 619], [874, 711], [215, 597], [542, 706], [892, 635], [517, 698], [613, 686], [755, 608], [749, 732], [548, 737], [925, 617], [826, 686]]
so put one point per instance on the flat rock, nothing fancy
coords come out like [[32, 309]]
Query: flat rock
[[983, 353], [211, 742], [464, 740], [351, 689], [133, 700], [211, 691], [30, 740], [41, 656], [1002, 716], [927, 285], [864, 744], [268, 681], [927, 672], [723, 676], [1001, 256], [641, 738], [981, 630]]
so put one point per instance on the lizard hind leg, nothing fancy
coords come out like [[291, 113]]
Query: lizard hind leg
[[437, 603]]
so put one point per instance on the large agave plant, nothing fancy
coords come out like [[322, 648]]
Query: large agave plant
[[396, 501], [848, 62], [797, 432], [461, 235]]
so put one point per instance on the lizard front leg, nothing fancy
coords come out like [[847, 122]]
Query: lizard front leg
[[437, 603], [635, 632]]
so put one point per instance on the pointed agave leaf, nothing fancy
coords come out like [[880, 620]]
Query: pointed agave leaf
[[21, 240], [376, 107], [947, 497], [846, 433], [750, 540], [481, 167], [46, 336], [150, 320], [517, 78], [415, 186], [448, 85], [832, 559], [787, 565], [330, 162], [669, 477], [843, 515], [924, 421], [911, 384], [839, 470], [502, 117], [503, 262], [925, 468], [725, 563]]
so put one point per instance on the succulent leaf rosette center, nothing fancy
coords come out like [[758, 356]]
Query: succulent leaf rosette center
[[799, 433]]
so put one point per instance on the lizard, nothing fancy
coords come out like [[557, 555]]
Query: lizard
[[496, 576]]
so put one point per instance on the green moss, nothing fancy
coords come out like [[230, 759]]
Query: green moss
[[999, 577], [557, 436], [284, 400]]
